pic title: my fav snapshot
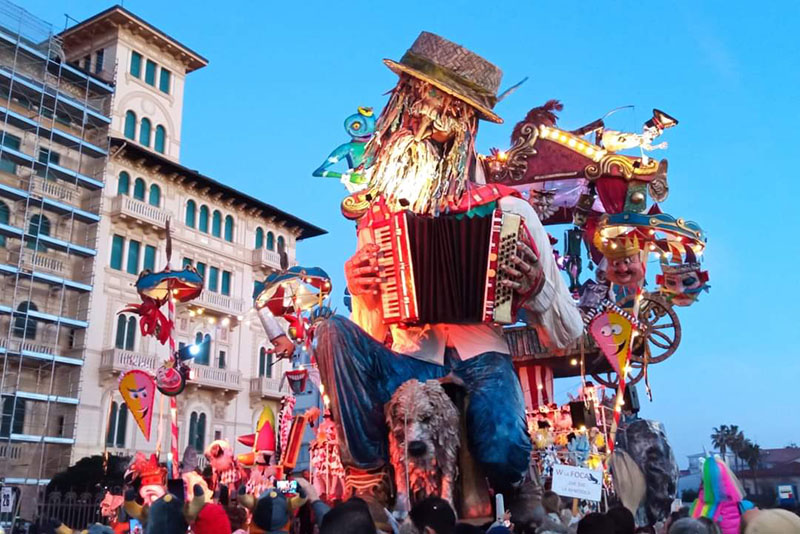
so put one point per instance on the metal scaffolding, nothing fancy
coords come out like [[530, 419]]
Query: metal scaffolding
[[54, 120]]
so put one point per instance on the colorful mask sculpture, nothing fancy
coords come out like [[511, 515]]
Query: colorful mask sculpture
[[612, 329], [681, 284], [623, 258], [138, 390], [262, 442], [151, 475]]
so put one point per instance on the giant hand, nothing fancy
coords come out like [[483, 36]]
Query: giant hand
[[526, 277], [362, 272]]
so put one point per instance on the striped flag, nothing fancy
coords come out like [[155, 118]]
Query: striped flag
[[537, 385]]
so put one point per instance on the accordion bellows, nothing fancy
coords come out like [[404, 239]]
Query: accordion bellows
[[445, 269]]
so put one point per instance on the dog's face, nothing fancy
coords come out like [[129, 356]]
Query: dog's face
[[423, 421]]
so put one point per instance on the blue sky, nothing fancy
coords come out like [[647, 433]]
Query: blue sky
[[283, 76]]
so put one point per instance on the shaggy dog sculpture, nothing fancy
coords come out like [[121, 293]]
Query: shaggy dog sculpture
[[423, 440]]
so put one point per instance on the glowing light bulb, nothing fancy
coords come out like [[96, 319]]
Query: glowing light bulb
[[194, 350], [573, 361], [226, 321], [211, 320]]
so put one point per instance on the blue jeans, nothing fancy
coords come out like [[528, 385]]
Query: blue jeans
[[360, 376]]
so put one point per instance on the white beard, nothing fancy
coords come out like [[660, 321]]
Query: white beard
[[410, 172]]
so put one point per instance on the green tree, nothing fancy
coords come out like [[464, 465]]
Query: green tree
[[751, 455], [720, 438], [736, 443]]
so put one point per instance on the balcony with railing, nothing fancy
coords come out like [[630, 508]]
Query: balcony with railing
[[221, 304], [119, 361], [48, 266], [213, 377], [264, 387], [43, 349], [266, 258], [129, 209]]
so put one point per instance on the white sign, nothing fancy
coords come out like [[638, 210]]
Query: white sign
[[785, 492], [577, 482], [7, 500]]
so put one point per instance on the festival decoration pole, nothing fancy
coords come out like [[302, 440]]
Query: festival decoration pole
[[173, 403]]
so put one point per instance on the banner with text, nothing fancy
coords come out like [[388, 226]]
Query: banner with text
[[577, 482]]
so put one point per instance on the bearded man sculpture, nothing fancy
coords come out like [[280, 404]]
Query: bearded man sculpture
[[422, 160]]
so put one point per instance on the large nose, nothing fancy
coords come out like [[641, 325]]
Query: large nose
[[417, 448]]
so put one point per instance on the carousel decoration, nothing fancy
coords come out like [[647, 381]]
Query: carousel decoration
[[156, 289]]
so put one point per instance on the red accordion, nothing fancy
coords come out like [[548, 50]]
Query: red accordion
[[445, 269]]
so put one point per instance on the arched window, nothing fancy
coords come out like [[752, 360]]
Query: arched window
[[117, 425], [259, 238], [3, 220], [216, 224], [161, 139], [197, 431], [190, 210], [138, 189], [203, 223], [124, 183], [229, 228], [126, 332], [130, 125], [270, 241], [144, 132], [155, 195], [38, 225], [25, 325], [265, 363], [281, 243]]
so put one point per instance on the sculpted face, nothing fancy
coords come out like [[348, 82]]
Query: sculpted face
[[682, 289], [612, 333], [627, 271], [138, 391]]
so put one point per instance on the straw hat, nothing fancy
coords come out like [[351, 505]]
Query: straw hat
[[453, 69]]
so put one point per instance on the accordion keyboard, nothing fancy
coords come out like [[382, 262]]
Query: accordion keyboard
[[383, 235], [506, 250]]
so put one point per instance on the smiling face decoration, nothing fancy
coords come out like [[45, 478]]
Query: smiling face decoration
[[138, 391], [612, 331]]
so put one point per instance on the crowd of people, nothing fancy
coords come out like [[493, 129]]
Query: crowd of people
[[435, 516]]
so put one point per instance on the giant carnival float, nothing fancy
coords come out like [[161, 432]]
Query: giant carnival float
[[464, 309]]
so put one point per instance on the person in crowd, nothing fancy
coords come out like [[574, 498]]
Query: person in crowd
[[622, 519], [433, 516], [552, 523], [773, 522], [595, 523], [349, 517], [687, 525], [646, 530], [712, 527]]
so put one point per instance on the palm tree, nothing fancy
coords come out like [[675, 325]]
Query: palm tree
[[720, 439], [736, 444], [751, 454]]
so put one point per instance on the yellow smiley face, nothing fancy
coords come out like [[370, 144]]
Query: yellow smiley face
[[612, 332]]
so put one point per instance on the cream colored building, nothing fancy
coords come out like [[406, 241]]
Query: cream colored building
[[230, 237], [90, 172]]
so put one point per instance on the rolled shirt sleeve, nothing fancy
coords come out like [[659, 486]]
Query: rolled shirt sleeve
[[553, 311]]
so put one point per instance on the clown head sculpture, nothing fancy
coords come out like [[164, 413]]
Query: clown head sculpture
[[623, 258], [151, 475], [681, 284]]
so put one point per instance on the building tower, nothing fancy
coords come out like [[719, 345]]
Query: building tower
[[231, 238]]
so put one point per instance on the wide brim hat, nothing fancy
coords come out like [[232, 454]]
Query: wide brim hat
[[453, 69]]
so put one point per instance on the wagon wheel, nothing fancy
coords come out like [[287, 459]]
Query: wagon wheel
[[611, 380], [659, 326]]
